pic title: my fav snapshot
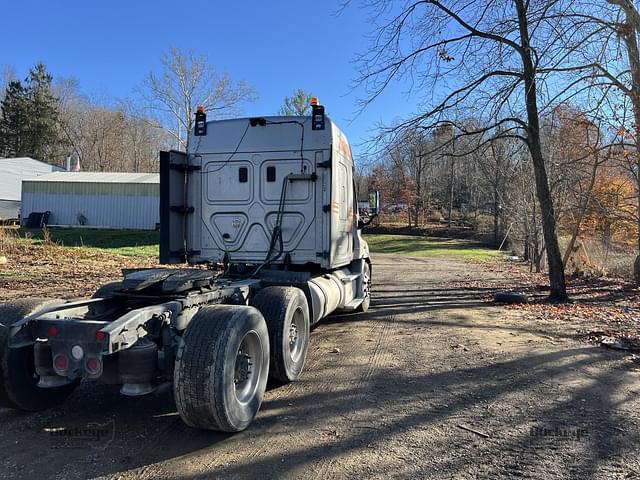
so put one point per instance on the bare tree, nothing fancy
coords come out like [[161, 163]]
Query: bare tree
[[493, 58], [611, 67], [188, 80], [107, 138], [495, 170]]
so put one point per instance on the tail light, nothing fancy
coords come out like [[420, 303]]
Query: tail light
[[93, 365], [61, 362]]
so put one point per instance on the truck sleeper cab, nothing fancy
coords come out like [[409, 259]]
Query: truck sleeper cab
[[270, 201]]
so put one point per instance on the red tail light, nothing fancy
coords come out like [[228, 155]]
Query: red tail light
[[61, 362], [100, 336], [53, 331], [93, 365]]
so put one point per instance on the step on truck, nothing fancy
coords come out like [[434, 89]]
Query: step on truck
[[261, 213]]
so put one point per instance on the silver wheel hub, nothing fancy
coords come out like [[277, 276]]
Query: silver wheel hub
[[243, 367], [296, 337], [248, 366], [366, 284]]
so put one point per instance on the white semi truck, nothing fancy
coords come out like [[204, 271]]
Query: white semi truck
[[264, 211]]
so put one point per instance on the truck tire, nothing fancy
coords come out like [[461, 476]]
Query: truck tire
[[366, 278], [511, 297], [286, 312], [18, 378], [221, 368]]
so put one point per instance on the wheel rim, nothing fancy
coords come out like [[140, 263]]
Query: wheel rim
[[248, 367], [296, 335], [366, 282]]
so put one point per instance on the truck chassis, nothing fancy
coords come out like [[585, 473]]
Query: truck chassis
[[215, 337]]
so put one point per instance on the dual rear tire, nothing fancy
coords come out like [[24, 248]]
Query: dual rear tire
[[221, 368], [286, 312], [227, 353]]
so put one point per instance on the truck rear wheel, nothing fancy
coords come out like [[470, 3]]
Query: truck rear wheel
[[366, 288], [221, 368], [286, 312], [18, 378]]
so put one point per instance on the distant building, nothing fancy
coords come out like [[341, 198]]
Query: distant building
[[100, 200], [12, 172]]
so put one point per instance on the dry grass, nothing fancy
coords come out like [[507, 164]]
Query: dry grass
[[44, 268], [595, 258], [8, 239]]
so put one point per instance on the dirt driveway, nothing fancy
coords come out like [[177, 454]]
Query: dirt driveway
[[431, 383]]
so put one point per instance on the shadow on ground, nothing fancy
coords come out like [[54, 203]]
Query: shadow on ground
[[400, 419]]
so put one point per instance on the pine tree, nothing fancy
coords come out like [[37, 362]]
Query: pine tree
[[297, 104], [29, 122], [13, 122], [43, 114]]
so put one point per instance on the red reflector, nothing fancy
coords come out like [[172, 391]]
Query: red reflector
[[100, 336], [93, 365], [53, 331], [61, 362]]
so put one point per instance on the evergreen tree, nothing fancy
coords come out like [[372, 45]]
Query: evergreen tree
[[297, 104], [42, 117], [13, 122], [29, 123]]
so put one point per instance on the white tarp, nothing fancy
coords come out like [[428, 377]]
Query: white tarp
[[12, 172]]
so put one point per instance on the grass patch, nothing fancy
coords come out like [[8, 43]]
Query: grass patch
[[143, 243], [413, 246], [132, 243]]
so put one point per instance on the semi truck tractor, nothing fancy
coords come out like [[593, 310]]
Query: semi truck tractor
[[260, 239]]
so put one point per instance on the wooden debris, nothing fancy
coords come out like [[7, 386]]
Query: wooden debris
[[469, 429]]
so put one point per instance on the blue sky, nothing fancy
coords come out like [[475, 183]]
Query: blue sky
[[276, 46]]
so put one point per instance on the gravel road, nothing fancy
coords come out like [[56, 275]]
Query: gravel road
[[432, 382]]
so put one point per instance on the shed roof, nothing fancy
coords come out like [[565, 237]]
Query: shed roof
[[97, 177], [14, 170]]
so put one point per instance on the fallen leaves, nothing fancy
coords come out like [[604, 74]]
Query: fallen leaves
[[610, 306], [51, 270], [613, 339]]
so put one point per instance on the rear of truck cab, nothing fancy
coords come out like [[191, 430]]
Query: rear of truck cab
[[237, 192]]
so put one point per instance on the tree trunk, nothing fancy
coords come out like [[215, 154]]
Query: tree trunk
[[631, 42], [547, 214], [451, 174], [581, 212], [629, 35], [496, 219]]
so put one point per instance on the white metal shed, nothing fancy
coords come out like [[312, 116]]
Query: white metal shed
[[104, 200], [12, 172]]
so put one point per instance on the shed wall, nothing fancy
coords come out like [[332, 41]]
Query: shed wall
[[140, 212]]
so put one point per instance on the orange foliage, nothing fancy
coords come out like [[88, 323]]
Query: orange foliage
[[611, 209]]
